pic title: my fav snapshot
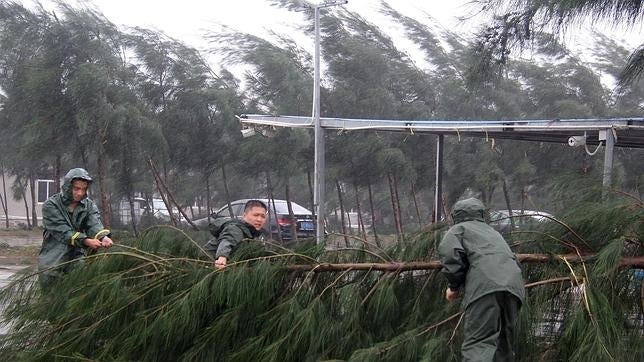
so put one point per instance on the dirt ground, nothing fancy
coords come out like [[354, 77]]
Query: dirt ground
[[19, 247]]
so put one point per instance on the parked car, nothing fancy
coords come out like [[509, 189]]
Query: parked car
[[500, 219], [159, 211], [278, 222]]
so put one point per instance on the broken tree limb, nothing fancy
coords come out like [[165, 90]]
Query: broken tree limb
[[171, 197], [633, 262], [157, 180]]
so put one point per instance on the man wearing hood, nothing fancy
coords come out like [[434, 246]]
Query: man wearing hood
[[72, 225], [480, 266]]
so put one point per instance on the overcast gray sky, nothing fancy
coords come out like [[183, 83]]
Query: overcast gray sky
[[189, 20]]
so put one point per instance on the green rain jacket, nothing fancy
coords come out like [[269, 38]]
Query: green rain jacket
[[64, 231], [228, 234], [476, 256]]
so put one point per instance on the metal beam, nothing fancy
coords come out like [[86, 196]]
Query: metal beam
[[629, 130]]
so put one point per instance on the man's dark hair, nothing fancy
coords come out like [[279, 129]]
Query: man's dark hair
[[254, 203]]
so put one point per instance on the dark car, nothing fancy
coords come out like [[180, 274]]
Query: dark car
[[278, 222]]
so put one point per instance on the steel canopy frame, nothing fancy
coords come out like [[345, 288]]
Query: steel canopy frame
[[612, 132]]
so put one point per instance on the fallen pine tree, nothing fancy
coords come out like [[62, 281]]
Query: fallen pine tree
[[157, 297]]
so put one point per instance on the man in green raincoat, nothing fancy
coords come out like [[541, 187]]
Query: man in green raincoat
[[480, 266], [229, 233], [72, 225]]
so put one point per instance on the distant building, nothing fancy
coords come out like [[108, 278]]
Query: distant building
[[16, 209]]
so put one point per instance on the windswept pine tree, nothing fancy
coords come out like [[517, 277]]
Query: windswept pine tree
[[518, 24], [158, 297]]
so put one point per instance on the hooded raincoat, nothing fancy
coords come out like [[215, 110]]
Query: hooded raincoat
[[476, 257], [478, 262], [65, 231], [228, 234]]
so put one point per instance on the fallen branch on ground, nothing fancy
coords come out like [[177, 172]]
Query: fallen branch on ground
[[633, 262]]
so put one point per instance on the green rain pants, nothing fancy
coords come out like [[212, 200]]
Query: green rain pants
[[490, 323]]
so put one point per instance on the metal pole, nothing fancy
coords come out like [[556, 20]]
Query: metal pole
[[318, 167], [608, 160], [438, 191]]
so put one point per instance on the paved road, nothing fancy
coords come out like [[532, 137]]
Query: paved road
[[6, 271]]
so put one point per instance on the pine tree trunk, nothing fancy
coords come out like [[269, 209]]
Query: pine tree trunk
[[271, 201], [393, 202], [373, 216], [359, 210], [24, 199], [395, 205], [335, 213], [132, 215], [506, 194], [32, 193], [208, 208], [56, 175], [342, 221], [402, 232], [291, 214], [226, 192], [5, 202], [105, 210], [413, 197]]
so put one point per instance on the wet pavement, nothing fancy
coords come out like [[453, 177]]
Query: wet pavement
[[6, 271]]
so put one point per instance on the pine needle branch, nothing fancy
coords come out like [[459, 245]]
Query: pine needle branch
[[183, 233]]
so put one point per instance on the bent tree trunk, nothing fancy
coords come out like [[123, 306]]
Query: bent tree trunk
[[506, 194], [160, 189]]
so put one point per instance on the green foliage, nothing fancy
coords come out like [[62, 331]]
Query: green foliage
[[158, 297], [522, 21]]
